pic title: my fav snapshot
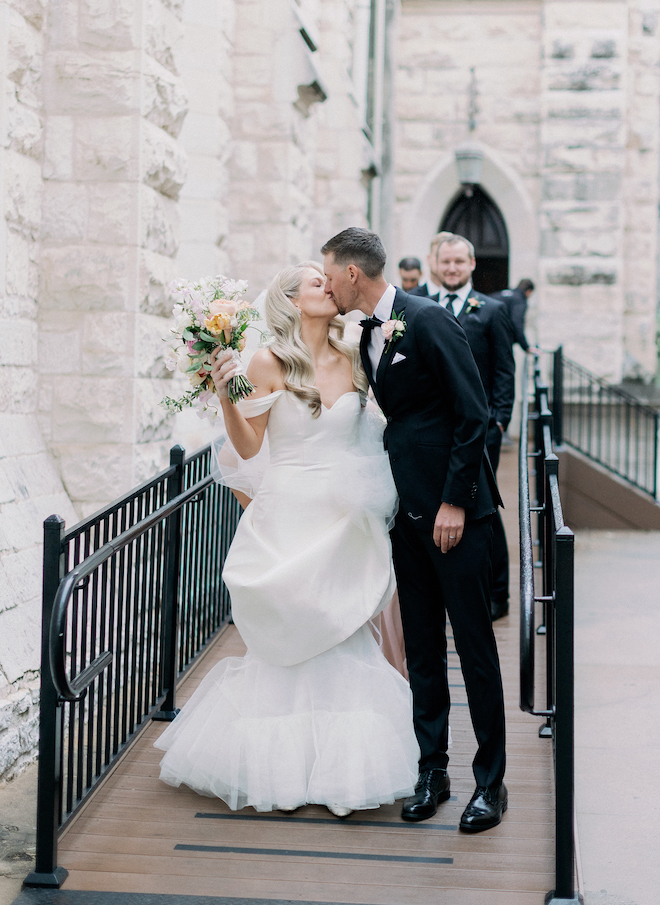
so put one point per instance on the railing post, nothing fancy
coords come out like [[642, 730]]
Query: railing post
[[49, 788], [656, 458], [558, 396], [543, 419], [564, 721], [550, 468], [171, 592]]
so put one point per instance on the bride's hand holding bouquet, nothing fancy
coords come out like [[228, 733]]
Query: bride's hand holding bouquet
[[224, 367]]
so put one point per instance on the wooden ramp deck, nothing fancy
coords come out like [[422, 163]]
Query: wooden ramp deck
[[137, 835]]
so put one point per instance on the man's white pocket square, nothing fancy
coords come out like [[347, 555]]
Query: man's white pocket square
[[398, 357]]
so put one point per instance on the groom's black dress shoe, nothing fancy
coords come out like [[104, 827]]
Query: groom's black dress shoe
[[484, 810], [432, 788]]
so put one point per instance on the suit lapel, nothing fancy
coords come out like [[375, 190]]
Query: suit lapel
[[366, 364], [364, 355], [462, 314], [399, 308]]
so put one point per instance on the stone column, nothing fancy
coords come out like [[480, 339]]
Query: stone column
[[584, 156], [113, 169]]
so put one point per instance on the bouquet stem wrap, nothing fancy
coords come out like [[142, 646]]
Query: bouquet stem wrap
[[239, 386]]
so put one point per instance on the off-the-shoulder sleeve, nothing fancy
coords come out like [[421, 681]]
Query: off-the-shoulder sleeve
[[227, 467], [251, 408]]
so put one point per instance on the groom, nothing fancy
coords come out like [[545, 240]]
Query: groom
[[425, 380]]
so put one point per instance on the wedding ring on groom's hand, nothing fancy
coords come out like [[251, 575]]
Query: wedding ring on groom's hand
[[452, 537]]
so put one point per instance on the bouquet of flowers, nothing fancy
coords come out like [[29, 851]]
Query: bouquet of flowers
[[209, 313]]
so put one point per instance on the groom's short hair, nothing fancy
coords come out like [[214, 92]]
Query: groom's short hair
[[357, 246]]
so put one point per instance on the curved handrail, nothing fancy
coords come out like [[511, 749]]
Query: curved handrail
[[75, 688], [526, 558]]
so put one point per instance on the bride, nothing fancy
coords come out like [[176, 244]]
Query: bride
[[313, 713]]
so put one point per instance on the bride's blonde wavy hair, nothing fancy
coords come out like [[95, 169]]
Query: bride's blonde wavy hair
[[285, 321]]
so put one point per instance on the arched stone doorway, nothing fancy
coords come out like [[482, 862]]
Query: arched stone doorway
[[475, 215], [437, 190]]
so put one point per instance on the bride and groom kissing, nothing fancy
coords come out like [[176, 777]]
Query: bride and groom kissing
[[314, 714]]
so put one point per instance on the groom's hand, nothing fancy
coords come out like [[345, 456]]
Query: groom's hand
[[448, 528]]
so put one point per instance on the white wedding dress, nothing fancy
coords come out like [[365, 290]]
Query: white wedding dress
[[313, 714]]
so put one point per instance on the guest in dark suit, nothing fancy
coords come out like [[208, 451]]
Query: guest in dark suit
[[424, 378], [488, 330], [410, 271], [516, 304]]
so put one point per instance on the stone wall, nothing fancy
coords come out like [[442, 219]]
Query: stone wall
[[297, 161], [30, 488], [344, 156], [468, 72], [271, 165], [21, 140], [582, 217], [641, 190], [207, 72], [113, 169], [142, 140], [600, 169], [563, 95]]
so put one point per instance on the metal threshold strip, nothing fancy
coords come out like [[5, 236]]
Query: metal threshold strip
[[85, 897], [396, 824], [307, 853]]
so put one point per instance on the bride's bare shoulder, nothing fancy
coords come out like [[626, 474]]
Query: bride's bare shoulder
[[265, 371]]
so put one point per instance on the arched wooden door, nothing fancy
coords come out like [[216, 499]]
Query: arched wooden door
[[478, 218]]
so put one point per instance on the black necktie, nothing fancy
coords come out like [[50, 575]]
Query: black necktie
[[449, 300], [368, 323]]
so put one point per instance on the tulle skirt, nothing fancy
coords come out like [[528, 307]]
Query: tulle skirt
[[333, 730]]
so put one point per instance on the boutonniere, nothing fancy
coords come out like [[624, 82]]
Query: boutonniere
[[474, 304], [393, 329]]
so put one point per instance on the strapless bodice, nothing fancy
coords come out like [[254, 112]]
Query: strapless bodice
[[297, 438]]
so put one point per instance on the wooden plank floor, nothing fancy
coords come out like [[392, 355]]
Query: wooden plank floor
[[138, 835]]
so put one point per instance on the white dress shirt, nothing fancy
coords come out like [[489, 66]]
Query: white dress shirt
[[383, 311]]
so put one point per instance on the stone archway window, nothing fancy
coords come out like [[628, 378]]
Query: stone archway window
[[475, 215]]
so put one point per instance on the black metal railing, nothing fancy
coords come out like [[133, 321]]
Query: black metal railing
[[556, 560], [131, 596], [606, 424]]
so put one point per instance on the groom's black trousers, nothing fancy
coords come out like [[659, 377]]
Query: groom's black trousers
[[431, 586]]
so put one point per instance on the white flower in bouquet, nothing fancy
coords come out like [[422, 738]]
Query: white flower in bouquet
[[209, 314]]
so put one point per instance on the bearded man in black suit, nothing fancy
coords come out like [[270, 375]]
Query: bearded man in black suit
[[428, 386], [489, 332]]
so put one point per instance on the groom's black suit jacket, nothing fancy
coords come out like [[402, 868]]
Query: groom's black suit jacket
[[489, 330], [437, 414]]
